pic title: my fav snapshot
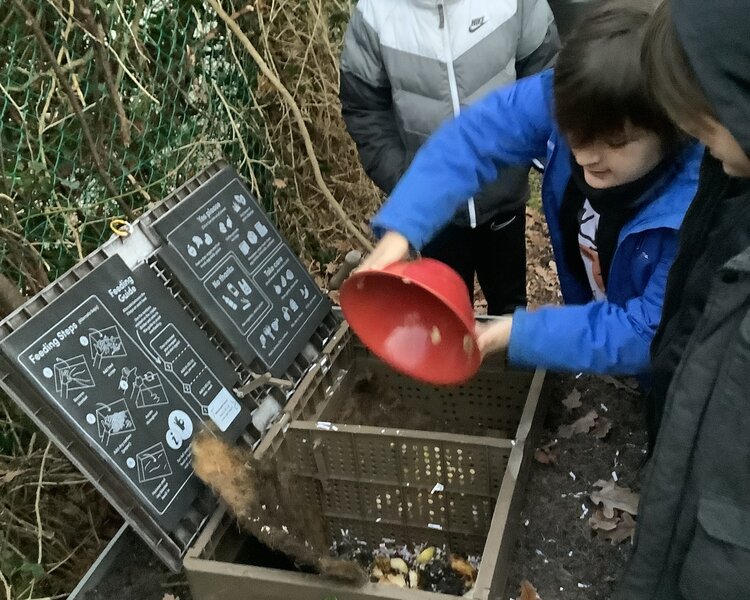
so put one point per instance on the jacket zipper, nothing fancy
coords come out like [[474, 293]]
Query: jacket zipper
[[453, 89]]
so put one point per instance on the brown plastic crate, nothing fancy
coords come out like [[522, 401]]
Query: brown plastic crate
[[380, 482]]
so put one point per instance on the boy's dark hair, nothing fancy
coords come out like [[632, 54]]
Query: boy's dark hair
[[599, 83], [668, 73]]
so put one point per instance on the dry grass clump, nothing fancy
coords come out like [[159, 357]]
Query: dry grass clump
[[266, 503], [301, 42], [53, 521]]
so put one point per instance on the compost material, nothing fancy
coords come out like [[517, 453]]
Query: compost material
[[261, 497], [373, 402], [422, 567]]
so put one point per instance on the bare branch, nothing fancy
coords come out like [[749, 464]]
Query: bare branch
[[299, 119], [95, 152]]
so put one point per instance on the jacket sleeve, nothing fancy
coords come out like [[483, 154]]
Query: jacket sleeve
[[509, 126], [540, 42], [367, 105], [598, 337]]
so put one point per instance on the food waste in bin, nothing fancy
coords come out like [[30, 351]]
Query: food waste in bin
[[422, 567], [262, 499]]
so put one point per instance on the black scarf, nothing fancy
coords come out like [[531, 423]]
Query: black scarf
[[616, 206]]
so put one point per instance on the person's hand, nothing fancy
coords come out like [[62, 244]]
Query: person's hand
[[392, 247], [493, 336]]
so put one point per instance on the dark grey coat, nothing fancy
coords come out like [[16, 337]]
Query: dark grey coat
[[693, 540], [693, 537]]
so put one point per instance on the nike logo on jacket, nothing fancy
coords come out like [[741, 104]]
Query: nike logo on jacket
[[476, 24]]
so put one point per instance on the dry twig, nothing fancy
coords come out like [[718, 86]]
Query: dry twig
[[96, 30], [95, 153], [299, 119]]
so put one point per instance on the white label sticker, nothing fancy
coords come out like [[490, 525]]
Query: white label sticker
[[223, 409]]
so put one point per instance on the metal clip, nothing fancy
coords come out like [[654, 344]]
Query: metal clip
[[121, 227]]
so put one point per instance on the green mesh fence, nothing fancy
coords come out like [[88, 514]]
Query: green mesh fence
[[164, 91], [183, 99]]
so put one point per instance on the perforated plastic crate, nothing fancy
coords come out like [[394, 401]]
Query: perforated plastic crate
[[460, 487]]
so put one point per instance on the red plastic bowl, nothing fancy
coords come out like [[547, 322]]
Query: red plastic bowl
[[417, 317]]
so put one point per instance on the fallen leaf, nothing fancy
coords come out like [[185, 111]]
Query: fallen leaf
[[9, 476], [528, 591], [463, 568], [612, 496], [545, 455], [625, 529], [382, 562], [582, 425], [601, 428], [573, 400], [598, 522], [619, 385], [279, 183]]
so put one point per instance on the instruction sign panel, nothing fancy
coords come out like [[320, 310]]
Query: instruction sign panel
[[226, 253], [121, 360]]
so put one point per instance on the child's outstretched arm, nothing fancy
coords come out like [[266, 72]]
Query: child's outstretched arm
[[510, 126], [598, 337]]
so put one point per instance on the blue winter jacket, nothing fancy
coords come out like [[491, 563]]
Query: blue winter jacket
[[514, 125]]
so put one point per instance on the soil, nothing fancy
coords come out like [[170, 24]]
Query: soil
[[137, 573], [556, 549]]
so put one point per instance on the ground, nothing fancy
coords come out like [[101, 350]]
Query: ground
[[556, 549]]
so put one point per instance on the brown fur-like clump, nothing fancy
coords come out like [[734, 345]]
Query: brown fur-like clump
[[222, 467], [262, 497]]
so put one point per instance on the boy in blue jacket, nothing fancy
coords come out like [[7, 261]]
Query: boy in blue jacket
[[618, 181]]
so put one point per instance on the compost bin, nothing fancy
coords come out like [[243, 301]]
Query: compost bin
[[198, 315]]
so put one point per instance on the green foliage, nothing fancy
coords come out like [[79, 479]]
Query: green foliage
[[185, 87]]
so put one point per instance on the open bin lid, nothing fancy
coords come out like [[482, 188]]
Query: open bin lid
[[125, 357]]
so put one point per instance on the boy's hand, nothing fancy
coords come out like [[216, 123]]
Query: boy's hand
[[392, 247], [493, 336]]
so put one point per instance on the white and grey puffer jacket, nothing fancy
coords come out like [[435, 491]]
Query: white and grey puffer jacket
[[409, 65]]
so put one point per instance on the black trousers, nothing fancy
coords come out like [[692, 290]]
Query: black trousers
[[495, 251]]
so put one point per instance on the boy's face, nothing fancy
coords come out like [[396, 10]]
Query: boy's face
[[722, 146], [615, 161]]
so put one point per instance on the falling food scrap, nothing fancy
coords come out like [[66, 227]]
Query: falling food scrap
[[468, 345]]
